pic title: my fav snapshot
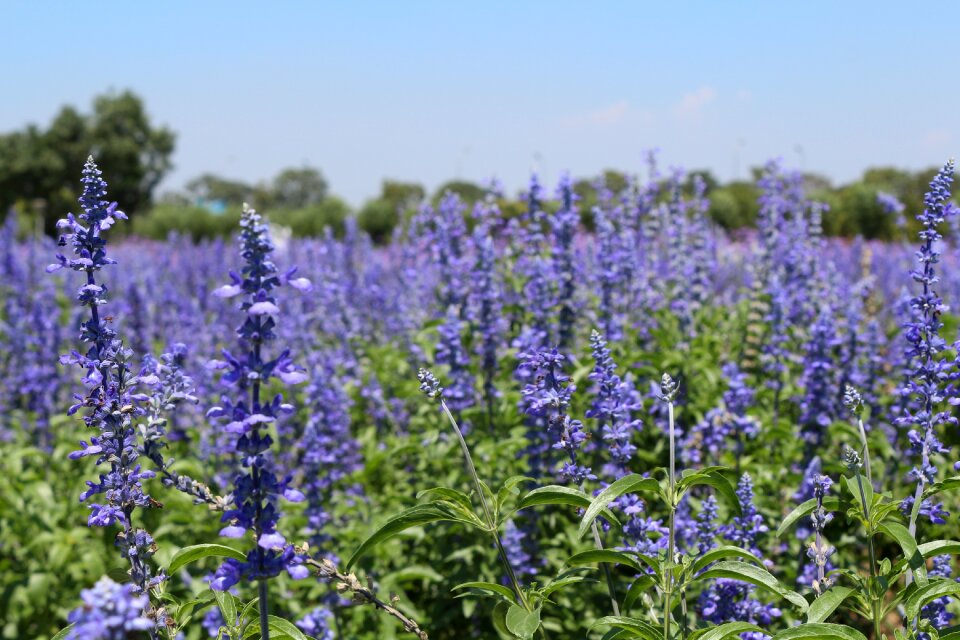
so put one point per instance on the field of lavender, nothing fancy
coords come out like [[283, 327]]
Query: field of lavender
[[492, 427]]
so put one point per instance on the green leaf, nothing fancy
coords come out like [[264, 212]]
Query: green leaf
[[636, 626], [821, 608], [854, 488], [62, 633], [754, 575], [603, 556], [724, 631], [830, 503], [925, 594], [488, 587], [820, 631], [228, 607], [191, 554], [949, 484], [500, 618], [938, 548], [562, 583], [632, 483], [286, 627], [556, 494], [522, 623], [710, 477], [910, 552], [639, 587], [510, 487], [444, 493], [187, 609], [416, 516], [719, 553]]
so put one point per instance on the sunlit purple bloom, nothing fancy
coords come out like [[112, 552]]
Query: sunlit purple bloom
[[110, 611]]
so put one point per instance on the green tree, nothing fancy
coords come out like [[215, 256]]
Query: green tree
[[469, 192], [405, 195], [209, 188], [378, 218], [38, 168], [297, 188]]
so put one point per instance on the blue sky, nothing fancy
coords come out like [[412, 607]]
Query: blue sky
[[427, 91]]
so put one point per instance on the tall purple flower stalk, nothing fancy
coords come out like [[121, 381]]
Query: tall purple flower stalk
[[819, 405], [732, 600], [820, 550], [564, 225], [708, 438], [547, 398], [486, 305], [110, 611], [537, 292], [927, 371], [330, 452], [246, 416], [614, 403], [110, 402], [460, 393], [612, 263], [170, 387]]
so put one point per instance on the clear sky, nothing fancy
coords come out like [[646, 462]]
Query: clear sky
[[427, 91]]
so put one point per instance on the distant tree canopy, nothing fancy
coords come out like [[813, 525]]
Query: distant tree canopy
[[39, 168]]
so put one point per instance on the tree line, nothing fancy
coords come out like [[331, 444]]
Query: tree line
[[38, 168]]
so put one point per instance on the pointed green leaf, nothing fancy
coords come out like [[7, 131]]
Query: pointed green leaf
[[488, 587], [603, 556], [821, 608], [911, 553], [719, 553], [556, 494], [511, 486], [632, 483], [63, 633], [830, 503], [445, 493], [562, 583], [939, 548], [640, 586], [228, 607], [821, 631], [638, 627], [726, 630], [714, 478], [926, 594], [285, 627], [754, 575], [416, 516], [191, 554], [950, 484]]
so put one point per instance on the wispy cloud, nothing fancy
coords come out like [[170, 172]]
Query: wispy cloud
[[602, 117], [692, 104], [937, 138]]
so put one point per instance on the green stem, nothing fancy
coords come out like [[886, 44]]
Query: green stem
[[668, 565], [874, 582], [611, 589], [866, 451], [491, 523]]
